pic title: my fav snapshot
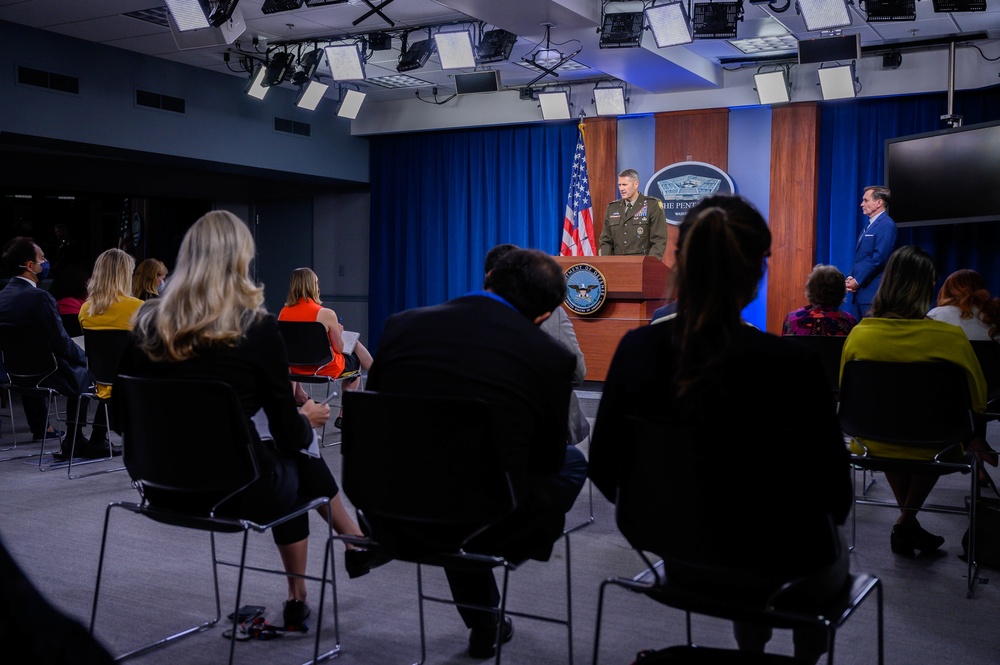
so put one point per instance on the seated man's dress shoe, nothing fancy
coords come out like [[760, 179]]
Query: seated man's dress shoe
[[483, 641]]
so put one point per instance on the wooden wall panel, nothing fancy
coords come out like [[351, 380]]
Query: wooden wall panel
[[600, 136], [794, 186], [690, 136]]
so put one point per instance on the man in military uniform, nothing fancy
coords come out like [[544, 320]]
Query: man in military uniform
[[634, 224]]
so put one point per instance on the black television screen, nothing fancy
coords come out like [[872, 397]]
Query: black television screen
[[945, 177]]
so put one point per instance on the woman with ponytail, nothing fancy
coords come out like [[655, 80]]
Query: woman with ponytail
[[753, 409]]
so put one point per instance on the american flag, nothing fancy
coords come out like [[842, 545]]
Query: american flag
[[578, 226]]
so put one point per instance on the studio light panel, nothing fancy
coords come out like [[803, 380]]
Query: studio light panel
[[824, 14], [669, 24]]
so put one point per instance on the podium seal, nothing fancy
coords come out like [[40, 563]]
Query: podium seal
[[586, 289]]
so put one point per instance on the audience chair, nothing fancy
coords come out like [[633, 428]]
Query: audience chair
[[924, 405], [71, 322], [28, 361], [104, 349], [988, 353], [412, 485], [158, 451], [664, 476], [307, 345], [829, 349]]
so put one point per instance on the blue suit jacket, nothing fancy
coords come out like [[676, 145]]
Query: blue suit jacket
[[21, 304], [870, 256]]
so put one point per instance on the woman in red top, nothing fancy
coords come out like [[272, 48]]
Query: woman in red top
[[303, 304]]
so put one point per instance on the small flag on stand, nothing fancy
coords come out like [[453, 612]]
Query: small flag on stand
[[578, 226]]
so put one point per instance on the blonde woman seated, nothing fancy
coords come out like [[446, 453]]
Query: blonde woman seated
[[148, 279], [964, 301], [108, 307], [303, 304], [211, 322], [899, 331]]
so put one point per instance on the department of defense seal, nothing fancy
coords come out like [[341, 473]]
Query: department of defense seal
[[586, 289]]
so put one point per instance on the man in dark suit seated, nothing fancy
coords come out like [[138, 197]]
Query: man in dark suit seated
[[487, 345], [22, 303]]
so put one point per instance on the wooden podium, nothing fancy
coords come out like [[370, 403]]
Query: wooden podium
[[636, 285]]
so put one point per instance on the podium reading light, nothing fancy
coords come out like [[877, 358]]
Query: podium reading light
[[669, 24], [772, 87], [824, 14], [189, 14], [837, 82], [555, 105], [455, 50], [345, 62]]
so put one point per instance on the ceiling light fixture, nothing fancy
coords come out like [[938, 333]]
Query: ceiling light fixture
[[772, 87], [495, 46], [415, 56], [669, 24], [838, 82], [306, 67], [346, 62], [823, 14], [455, 50], [189, 14], [877, 11], [610, 99], [716, 20], [350, 104], [311, 95], [621, 30], [547, 60], [223, 12], [555, 105], [947, 6], [255, 87]]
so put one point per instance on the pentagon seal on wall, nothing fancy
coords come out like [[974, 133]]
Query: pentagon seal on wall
[[586, 289], [680, 186]]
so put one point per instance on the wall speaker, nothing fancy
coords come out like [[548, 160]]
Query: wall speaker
[[826, 49]]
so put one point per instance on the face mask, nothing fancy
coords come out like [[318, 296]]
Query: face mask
[[45, 270]]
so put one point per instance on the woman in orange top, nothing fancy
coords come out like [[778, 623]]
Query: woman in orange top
[[303, 304]]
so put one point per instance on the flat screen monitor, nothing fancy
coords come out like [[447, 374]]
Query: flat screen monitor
[[945, 177], [485, 81]]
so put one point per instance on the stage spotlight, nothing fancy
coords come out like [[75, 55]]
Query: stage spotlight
[[623, 30], [824, 14], [669, 24], [416, 56], [878, 11], [772, 87], [495, 46], [346, 62], [275, 6], [223, 11], [609, 100], [255, 87], [455, 50], [277, 69], [350, 104], [189, 14], [307, 66], [715, 20], [311, 95], [837, 82], [555, 105], [947, 6]]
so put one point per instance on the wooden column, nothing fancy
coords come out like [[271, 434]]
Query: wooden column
[[600, 137], [792, 217]]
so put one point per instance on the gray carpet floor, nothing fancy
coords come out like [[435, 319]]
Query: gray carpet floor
[[158, 580]]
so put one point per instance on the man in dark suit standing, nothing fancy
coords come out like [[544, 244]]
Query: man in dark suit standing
[[22, 303], [875, 244], [487, 345]]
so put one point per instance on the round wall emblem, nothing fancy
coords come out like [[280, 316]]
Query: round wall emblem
[[680, 186], [585, 288]]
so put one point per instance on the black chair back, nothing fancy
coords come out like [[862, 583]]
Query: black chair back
[[424, 461], [27, 356], [988, 353], [923, 404], [104, 349], [306, 343], [829, 349], [187, 441]]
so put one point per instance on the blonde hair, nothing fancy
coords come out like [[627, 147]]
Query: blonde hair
[[144, 280], [303, 284], [211, 299], [111, 280]]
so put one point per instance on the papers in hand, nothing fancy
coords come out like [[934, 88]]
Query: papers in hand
[[263, 428], [350, 339]]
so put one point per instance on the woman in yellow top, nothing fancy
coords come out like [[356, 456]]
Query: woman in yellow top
[[109, 307], [898, 331], [303, 304]]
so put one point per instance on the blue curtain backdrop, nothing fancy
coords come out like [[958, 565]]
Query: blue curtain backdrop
[[443, 199], [852, 136]]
